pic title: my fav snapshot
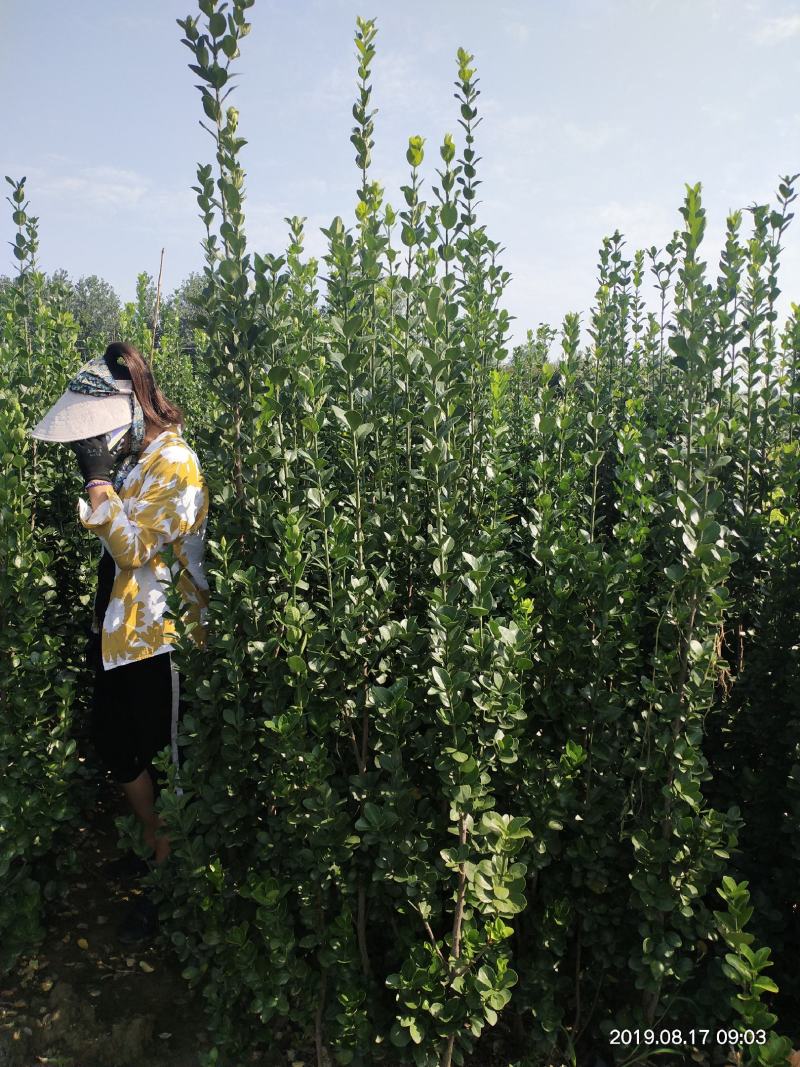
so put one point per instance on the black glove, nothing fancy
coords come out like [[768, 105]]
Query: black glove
[[94, 459]]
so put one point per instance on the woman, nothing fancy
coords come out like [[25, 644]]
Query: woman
[[154, 497]]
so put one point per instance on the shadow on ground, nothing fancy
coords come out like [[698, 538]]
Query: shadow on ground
[[84, 1000]]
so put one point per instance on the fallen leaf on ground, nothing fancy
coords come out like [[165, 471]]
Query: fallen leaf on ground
[[146, 967], [165, 1035], [47, 985], [83, 943]]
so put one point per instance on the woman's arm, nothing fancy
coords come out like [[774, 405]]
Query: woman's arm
[[172, 500], [97, 494]]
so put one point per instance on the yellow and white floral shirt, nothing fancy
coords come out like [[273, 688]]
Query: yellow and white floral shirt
[[163, 500]]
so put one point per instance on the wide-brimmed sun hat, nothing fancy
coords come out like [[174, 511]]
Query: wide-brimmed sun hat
[[100, 398]]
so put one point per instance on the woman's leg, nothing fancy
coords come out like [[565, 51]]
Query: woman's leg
[[132, 718], [141, 798]]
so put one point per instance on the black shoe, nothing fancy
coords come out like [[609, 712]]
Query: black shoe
[[140, 924]]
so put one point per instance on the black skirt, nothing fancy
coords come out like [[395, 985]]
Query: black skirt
[[136, 709]]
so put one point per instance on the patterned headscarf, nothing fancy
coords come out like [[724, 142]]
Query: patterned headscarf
[[97, 379]]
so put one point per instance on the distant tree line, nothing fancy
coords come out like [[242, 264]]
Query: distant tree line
[[96, 306]]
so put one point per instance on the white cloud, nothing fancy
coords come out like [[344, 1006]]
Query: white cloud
[[532, 134], [400, 87], [510, 126], [60, 187], [721, 114], [401, 82], [138, 23], [590, 138], [268, 232], [519, 32], [99, 186], [337, 84], [778, 29], [59, 178], [641, 222]]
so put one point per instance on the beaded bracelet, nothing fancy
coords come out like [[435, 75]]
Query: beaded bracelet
[[91, 485]]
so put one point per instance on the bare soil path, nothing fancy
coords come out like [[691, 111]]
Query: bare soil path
[[82, 999]]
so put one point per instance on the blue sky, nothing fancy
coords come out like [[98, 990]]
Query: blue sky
[[595, 114]]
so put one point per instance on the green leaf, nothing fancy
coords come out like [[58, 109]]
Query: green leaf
[[441, 677], [449, 216], [763, 984], [398, 1034], [415, 1032]]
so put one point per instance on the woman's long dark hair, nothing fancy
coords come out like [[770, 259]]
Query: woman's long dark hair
[[157, 410]]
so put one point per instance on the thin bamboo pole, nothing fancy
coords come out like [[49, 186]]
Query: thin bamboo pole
[[158, 305]]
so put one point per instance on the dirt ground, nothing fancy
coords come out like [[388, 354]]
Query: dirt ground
[[82, 999]]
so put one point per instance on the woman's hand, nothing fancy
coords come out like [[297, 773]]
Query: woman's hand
[[94, 459]]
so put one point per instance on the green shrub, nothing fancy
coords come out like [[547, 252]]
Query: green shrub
[[42, 567]]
